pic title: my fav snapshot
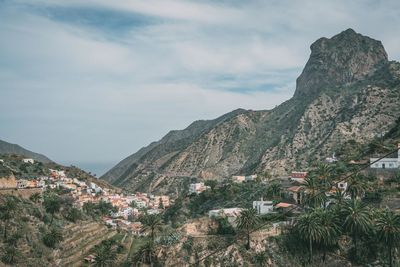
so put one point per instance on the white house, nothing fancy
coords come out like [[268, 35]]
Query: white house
[[263, 206], [386, 163], [31, 161], [1, 160], [197, 188], [241, 179], [231, 212], [332, 159], [22, 183]]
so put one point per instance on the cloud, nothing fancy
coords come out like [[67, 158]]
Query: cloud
[[96, 80]]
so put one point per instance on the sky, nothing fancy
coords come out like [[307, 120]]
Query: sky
[[89, 82]]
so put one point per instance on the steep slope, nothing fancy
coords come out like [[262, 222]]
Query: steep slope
[[348, 90], [8, 148]]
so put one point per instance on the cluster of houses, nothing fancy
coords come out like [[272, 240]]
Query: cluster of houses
[[127, 207]]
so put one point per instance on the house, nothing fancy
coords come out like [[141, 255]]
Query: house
[[22, 184], [90, 258], [298, 176], [295, 192], [231, 212], [263, 206], [1, 160], [342, 186], [57, 174], [332, 159], [197, 188], [386, 163], [241, 179], [30, 161], [284, 206]]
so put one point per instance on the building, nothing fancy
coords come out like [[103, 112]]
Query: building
[[231, 212], [22, 184], [284, 206], [30, 161], [295, 192], [1, 160], [197, 188], [241, 179], [332, 159], [263, 206], [386, 163], [298, 176]]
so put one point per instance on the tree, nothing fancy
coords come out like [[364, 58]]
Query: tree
[[330, 228], [152, 223], [357, 220], [310, 230], [260, 258], [73, 214], [145, 254], [388, 230], [10, 255], [314, 193], [212, 184], [36, 197], [8, 208], [105, 255], [247, 221], [160, 205], [356, 186], [274, 190], [52, 204], [52, 238]]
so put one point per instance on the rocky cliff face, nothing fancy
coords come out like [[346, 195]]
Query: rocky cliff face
[[348, 90]]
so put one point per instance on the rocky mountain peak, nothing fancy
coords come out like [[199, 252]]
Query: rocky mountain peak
[[344, 58]]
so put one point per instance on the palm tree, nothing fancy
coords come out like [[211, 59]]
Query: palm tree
[[7, 211], [260, 258], [52, 238], [274, 190], [314, 194], [105, 255], [52, 205], [310, 230], [388, 230], [357, 220], [145, 254], [151, 223], [247, 221], [356, 186], [11, 253], [331, 229]]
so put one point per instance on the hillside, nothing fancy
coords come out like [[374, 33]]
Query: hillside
[[8, 148], [348, 91]]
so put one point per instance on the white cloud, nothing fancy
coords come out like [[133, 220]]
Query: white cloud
[[77, 92]]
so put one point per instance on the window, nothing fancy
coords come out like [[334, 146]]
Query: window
[[383, 166]]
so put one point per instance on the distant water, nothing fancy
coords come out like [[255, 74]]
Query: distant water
[[98, 168]]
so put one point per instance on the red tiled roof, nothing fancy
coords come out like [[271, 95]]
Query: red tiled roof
[[283, 205], [294, 188]]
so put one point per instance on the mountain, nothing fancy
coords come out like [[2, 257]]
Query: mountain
[[8, 148], [348, 92]]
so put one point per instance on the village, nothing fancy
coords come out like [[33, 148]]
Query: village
[[128, 207]]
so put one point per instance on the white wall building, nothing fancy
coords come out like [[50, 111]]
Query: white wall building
[[386, 163], [263, 206], [31, 161], [197, 188]]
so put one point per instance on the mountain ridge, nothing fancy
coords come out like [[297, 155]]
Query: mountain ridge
[[9, 148], [347, 90]]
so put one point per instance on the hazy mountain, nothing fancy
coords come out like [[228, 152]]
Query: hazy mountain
[[348, 90], [8, 148]]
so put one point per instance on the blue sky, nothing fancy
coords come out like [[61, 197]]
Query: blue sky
[[90, 82]]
